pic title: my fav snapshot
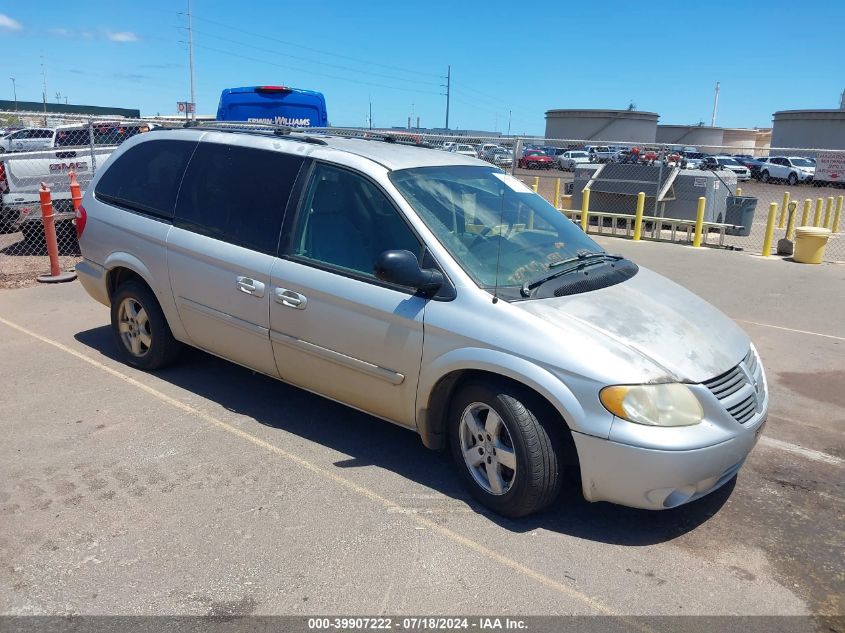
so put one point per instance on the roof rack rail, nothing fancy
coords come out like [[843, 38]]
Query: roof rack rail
[[250, 127], [400, 138]]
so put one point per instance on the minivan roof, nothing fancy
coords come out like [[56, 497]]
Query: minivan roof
[[391, 155]]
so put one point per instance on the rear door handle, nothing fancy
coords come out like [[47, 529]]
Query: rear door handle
[[250, 286], [290, 298]]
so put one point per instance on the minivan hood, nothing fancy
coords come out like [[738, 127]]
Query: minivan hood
[[689, 339]]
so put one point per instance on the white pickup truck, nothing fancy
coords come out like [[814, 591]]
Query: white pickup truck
[[21, 175]]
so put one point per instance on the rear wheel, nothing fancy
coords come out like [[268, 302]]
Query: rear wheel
[[764, 176], [503, 449], [140, 328]]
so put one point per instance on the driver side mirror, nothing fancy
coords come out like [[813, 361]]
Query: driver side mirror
[[403, 269]]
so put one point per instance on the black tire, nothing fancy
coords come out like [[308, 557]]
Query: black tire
[[764, 176], [163, 348], [792, 180], [536, 480]]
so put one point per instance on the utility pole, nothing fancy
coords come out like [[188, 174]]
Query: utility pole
[[715, 106], [371, 113], [842, 101], [15, 93], [448, 94], [191, 62], [44, 89], [509, 121]]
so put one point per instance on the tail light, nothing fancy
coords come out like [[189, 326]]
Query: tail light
[[272, 89], [4, 186], [81, 219]]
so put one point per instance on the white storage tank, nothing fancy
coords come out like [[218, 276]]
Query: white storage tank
[[823, 129], [704, 138], [626, 126], [739, 140]]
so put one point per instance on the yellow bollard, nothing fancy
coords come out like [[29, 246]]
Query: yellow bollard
[[828, 211], [738, 192], [805, 215], [699, 221], [585, 208], [783, 209], [770, 230], [638, 217], [817, 215], [536, 183], [790, 223], [837, 215], [557, 194]]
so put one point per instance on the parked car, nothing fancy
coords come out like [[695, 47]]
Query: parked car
[[535, 159], [691, 159], [569, 160], [183, 238], [28, 139], [464, 149], [599, 153], [753, 164], [792, 169], [727, 163], [500, 156]]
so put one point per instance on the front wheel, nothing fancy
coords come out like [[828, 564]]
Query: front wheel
[[140, 328], [504, 449], [792, 180]]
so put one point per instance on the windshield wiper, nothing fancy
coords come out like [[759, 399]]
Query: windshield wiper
[[582, 259]]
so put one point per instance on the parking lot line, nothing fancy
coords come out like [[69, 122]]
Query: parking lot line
[[789, 329], [453, 536], [809, 453]]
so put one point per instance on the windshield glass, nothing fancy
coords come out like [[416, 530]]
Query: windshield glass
[[727, 161], [802, 162], [486, 219], [577, 155]]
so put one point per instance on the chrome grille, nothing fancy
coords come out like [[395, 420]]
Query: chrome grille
[[740, 390]]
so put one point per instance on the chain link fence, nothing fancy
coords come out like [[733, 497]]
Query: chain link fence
[[738, 184]]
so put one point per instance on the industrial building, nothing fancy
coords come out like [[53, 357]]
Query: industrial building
[[824, 129], [38, 107], [631, 126]]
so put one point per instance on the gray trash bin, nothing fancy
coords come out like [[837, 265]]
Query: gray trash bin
[[739, 210]]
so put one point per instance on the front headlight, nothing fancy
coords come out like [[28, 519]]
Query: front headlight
[[671, 404]]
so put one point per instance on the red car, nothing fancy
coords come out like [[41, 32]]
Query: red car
[[535, 159]]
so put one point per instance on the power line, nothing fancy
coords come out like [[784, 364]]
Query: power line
[[314, 61], [315, 50], [269, 63]]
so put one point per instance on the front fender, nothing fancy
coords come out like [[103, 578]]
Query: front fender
[[432, 427]]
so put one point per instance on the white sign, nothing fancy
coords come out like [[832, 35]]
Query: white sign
[[830, 167]]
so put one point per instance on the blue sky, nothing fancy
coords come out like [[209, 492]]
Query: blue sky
[[514, 56]]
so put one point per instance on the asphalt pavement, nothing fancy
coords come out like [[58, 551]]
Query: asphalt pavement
[[207, 489]]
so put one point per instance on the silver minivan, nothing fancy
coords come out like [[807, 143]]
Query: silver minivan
[[432, 290]]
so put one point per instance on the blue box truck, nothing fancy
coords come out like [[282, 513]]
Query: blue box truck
[[278, 105]]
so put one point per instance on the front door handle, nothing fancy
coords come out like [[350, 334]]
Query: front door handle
[[250, 286], [290, 298]]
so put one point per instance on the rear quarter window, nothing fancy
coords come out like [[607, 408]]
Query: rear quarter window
[[146, 177]]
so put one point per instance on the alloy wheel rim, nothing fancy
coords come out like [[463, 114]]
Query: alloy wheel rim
[[487, 448], [133, 325]]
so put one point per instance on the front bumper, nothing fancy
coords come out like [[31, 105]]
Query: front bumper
[[659, 479]]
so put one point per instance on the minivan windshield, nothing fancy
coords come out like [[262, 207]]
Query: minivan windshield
[[492, 224]]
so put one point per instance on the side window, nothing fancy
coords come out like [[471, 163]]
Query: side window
[[237, 194], [347, 222], [146, 178]]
